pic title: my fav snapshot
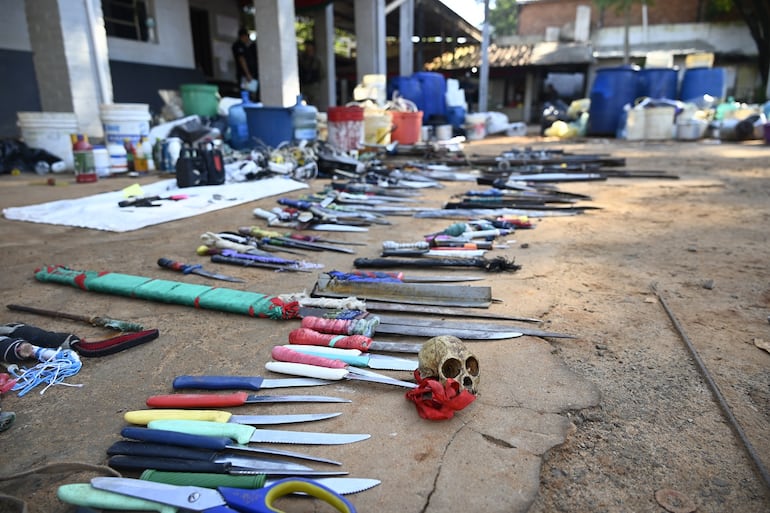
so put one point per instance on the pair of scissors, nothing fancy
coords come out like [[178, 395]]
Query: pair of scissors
[[223, 499]]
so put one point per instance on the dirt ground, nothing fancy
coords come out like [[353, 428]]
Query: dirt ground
[[647, 422]]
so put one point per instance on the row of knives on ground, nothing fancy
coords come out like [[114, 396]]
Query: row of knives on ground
[[181, 440]]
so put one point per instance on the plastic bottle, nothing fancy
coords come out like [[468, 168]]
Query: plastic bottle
[[83, 154], [118, 158], [237, 123], [149, 156], [303, 121], [140, 158], [130, 154], [101, 161]]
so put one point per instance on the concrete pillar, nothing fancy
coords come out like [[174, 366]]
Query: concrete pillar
[[277, 48], [529, 96], [73, 72], [323, 33], [371, 58], [405, 33]]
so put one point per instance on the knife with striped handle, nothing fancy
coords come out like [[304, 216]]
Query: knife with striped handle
[[357, 358], [298, 364]]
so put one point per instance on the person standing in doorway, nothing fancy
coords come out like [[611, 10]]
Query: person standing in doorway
[[310, 73], [246, 68]]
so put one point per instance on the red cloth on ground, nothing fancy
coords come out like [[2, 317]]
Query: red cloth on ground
[[435, 401]]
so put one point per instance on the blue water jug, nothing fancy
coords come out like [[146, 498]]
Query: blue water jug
[[239, 127], [304, 121]]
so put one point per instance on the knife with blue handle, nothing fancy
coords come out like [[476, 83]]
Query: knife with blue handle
[[242, 382], [213, 443]]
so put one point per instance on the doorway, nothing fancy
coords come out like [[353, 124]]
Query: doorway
[[201, 36]]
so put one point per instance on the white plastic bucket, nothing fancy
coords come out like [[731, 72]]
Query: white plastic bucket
[[125, 121], [50, 131], [475, 126], [377, 126]]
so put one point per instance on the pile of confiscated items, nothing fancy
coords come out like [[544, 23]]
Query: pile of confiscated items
[[177, 442]]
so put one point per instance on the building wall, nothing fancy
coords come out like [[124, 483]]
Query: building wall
[[536, 16]]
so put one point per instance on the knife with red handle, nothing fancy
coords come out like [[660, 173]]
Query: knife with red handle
[[234, 399]]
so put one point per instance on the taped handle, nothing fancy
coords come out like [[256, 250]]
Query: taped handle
[[239, 432], [285, 354], [307, 336]]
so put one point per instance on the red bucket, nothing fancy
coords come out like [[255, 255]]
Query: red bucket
[[345, 127], [407, 127]]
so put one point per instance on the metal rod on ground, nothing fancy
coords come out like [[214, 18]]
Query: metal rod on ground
[[715, 390], [104, 322]]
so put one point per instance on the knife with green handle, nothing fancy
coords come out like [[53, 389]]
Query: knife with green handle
[[357, 358], [341, 485], [83, 494], [243, 434], [143, 417]]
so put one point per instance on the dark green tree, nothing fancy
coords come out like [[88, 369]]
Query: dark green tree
[[503, 17]]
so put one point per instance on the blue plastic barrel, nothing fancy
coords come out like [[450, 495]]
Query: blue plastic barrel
[[699, 81], [612, 89], [455, 115], [433, 101], [406, 87], [271, 125], [659, 82]]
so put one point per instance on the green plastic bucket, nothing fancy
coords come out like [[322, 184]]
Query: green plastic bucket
[[200, 99]]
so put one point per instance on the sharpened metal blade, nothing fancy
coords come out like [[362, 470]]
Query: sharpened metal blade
[[292, 382], [217, 276], [259, 420], [365, 375], [450, 324], [440, 279], [395, 347], [409, 293], [342, 485], [305, 437], [256, 399], [381, 362], [462, 333], [239, 462]]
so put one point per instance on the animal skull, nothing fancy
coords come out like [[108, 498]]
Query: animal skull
[[445, 357]]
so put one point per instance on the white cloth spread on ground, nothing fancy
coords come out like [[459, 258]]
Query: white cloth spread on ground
[[101, 211]]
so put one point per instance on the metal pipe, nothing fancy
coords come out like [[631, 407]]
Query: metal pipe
[[715, 390]]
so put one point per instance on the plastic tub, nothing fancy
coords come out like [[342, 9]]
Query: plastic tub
[[271, 125], [406, 127], [345, 127], [475, 126], [125, 121], [50, 131], [659, 123], [200, 99]]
